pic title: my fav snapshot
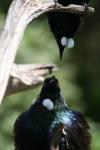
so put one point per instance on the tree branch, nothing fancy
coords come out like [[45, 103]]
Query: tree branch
[[27, 76], [20, 14], [77, 9]]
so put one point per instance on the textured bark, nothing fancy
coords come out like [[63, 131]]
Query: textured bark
[[25, 77]]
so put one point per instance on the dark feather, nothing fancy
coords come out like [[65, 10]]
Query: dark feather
[[39, 128], [65, 24]]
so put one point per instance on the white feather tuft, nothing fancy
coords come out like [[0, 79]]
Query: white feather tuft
[[64, 41], [48, 104], [70, 43]]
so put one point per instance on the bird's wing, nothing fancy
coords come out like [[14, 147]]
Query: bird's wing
[[71, 137], [56, 136], [20, 132]]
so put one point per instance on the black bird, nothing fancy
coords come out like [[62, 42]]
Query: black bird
[[64, 25], [50, 125]]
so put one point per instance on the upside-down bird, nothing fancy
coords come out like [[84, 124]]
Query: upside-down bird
[[50, 125], [64, 25]]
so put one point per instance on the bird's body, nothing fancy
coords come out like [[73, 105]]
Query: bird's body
[[77, 2], [34, 128], [65, 25]]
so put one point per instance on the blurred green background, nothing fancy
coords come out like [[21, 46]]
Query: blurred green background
[[78, 74]]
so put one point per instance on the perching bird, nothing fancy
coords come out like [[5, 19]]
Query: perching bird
[[50, 125], [65, 25]]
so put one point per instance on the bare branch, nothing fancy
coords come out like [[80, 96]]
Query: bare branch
[[25, 77], [77, 9], [20, 14]]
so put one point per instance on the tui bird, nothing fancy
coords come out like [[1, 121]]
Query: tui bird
[[50, 125], [64, 25]]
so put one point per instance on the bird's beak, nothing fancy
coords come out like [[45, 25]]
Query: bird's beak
[[50, 88], [61, 50], [51, 82]]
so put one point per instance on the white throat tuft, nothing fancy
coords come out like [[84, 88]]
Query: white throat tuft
[[48, 104], [64, 41], [69, 42]]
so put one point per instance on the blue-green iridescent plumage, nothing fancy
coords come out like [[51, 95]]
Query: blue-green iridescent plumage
[[33, 128]]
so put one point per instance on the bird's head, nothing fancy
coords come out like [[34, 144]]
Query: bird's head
[[50, 95], [50, 88]]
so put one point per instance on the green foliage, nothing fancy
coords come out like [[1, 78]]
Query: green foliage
[[78, 74]]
